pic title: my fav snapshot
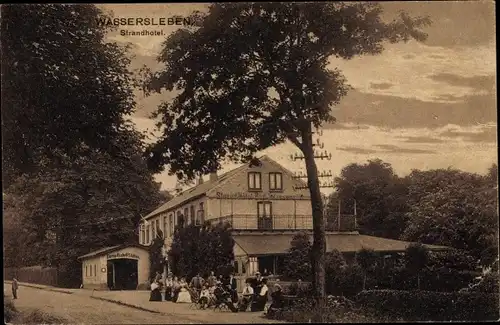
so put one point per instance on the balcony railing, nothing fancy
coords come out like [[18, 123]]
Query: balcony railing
[[283, 222]]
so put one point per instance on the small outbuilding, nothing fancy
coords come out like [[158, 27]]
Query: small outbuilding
[[121, 267]]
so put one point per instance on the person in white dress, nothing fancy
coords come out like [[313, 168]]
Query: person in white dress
[[184, 296]]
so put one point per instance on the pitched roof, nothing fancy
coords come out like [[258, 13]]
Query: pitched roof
[[109, 249], [203, 188], [272, 243]]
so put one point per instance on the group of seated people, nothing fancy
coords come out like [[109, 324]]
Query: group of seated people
[[217, 292]]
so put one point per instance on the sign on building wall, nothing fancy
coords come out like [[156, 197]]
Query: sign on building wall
[[122, 255], [259, 196]]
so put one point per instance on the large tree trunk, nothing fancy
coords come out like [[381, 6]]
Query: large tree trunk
[[319, 242]]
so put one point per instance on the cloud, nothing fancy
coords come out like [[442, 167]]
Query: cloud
[[396, 112], [382, 85], [345, 126], [411, 77], [480, 83], [487, 135], [396, 149], [408, 56], [356, 150], [422, 139]]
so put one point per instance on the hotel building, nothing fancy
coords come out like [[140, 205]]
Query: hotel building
[[265, 205]]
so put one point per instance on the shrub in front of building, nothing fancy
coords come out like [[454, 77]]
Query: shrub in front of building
[[156, 258], [430, 305], [297, 264], [202, 250]]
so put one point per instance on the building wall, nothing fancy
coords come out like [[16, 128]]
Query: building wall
[[92, 273], [171, 219], [291, 207], [99, 279], [234, 197]]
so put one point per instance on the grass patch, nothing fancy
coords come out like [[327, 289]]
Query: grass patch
[[40, 317], [14, 316], [9, 310]]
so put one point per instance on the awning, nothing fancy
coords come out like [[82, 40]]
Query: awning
[[275, 244]]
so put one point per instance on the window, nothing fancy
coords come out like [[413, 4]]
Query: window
[[172, 225], [180, 219], [236, 268], [90, 270], [143, 234], [186, 215], [147, 235], [193, 216], [275, 181], [153, 230], [165, 225], [95, 270], [254, 181], [264, 215], [201, 213], [157, 227], [86, 270], [243, 267]]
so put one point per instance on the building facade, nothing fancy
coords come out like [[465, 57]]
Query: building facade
[[259, 198], [121, 267]]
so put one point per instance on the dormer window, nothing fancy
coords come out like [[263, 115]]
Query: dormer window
[[275, 181], [254, 181]]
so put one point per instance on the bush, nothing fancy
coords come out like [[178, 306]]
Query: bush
[[338, 310], [297, 264], [348, 281], [430, 306]]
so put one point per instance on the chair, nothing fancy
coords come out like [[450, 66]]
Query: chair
[[220, 304], [247, 305], [195, 299]]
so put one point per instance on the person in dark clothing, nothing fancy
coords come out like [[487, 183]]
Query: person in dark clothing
[[155, 292], [15, 286], [233, 284], [224, 297], [277, 300], [260, 299], [257, 283], [169, 283]]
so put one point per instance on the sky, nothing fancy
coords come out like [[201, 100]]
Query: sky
[[416, 106]]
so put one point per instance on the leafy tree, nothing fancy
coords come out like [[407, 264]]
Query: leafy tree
[[381, 198], [367, 260], [93, 202], [297, 264], [416, 258], [201, 249], [63, 87], [456, 209], [73, 163], [156, 258], [253, 75]]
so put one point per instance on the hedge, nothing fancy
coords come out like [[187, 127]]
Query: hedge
[[430, 306]]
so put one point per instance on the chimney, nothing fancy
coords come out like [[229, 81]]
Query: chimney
[[200, 181], [213, 176]]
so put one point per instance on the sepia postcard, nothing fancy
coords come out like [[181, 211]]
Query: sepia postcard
[[249, 162]]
